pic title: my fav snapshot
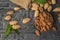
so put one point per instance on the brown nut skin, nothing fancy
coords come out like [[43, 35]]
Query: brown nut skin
[[37, 32], [10, 12], [8, 17], [13, 22]]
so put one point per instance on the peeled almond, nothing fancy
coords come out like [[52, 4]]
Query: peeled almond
[[36, 13], [8, 17], [53, 1], [35, 5], [13, 22], [34, 8], [16, 8], [56, 9], [49, 2], [41, 5], [16, 26], [10, 12], [26, 20], [46, 5], [49, 8]]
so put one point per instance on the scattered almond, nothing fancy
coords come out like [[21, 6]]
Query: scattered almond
[[49, 1], [53, 1], [35, 5], [34, 8], [56, 9], [37, 32], [13, 22], [16, 26], [10, 12], [49, 8], [46, 5], [16, 8], [41, 5], [8, 17], [36, 13], [26, 20]]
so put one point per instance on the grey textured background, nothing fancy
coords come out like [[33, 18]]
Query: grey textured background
[[27, 30]]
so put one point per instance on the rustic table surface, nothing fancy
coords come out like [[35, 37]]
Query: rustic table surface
[[27, 30]]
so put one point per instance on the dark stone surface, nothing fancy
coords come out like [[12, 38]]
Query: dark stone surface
[[27, 30]]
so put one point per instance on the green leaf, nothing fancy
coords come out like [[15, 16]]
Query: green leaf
[[16, 31], [40, 1], [8, 30]]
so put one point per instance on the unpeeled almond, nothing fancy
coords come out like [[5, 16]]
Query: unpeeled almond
[[37, 32]]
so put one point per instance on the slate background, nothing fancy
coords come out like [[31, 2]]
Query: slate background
[[27, 30]]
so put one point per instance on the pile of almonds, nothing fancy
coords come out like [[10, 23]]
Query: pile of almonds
[[43, 20]]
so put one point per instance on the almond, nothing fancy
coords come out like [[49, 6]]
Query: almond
[[53, 1], [10, 12], [16, 8], [49, 8], [16, 26], [34, 8], [41, 5], [46, 5], [35, 5], [26, 20], [37, 32], [8, 17], [56, 9], [40, 9], [13, 22], [36, 13]]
